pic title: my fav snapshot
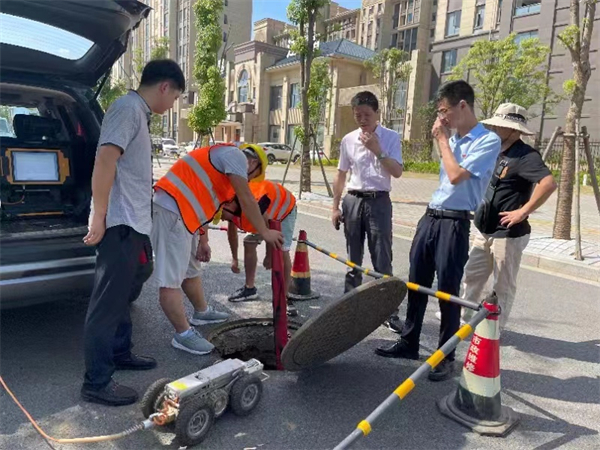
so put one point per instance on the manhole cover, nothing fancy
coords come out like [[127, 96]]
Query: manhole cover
[[249, 338], [343, 323]]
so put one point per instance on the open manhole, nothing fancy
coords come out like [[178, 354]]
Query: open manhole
[[249, 338]]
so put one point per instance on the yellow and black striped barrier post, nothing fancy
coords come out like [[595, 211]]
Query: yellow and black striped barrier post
[[412, 286], [365, 426]]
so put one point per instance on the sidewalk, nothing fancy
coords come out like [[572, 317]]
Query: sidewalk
[[411, 194]]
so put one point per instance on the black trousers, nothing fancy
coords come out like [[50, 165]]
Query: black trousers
[[440, 246], [123, 264], [370, 218]]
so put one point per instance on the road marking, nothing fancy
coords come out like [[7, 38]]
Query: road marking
[[533, 269]]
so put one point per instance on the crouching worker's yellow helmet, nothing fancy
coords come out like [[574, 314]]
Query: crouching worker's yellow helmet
[[262, 157]]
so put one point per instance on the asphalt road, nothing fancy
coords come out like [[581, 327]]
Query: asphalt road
[[550, 373]]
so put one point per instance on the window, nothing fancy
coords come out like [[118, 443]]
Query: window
[[396, 15], [526, 35], [225, 2], [224, 36], [526, 7], [453, 23], [294, 95], [394, 42], [410, 40], [230, 99], [274, 133], [243, 87], [448, 60], [479, 16], [380, 7], [225, 19]]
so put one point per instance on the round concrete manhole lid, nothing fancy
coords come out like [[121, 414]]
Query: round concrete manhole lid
[[343, 323]]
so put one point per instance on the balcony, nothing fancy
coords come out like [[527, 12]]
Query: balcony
[[526, 10]]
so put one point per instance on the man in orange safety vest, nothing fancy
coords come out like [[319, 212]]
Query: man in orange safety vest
[[187, 198]]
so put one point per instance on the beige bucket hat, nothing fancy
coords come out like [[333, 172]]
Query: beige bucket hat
[[510, 115]]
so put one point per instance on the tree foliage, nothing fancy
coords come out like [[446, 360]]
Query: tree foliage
[[577, 39], [210, 108], [112, 90], [505, 70], [390, 67], [304, 14], [160, 49]]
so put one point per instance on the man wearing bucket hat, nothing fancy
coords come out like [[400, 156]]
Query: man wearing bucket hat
[[188, 197], [520, 184]]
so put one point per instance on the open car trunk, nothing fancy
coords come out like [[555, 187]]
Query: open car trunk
[[47, 160]]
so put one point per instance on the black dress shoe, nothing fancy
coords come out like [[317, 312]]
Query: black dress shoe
[[443, 371], [112, 395], [135, 362], [398, 350]]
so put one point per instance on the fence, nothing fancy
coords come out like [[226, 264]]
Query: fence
[[554, 158]]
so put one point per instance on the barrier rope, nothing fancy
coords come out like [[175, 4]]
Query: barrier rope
[[372, 273], [365, 426], [412, 286]]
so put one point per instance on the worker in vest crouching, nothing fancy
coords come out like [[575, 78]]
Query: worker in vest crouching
[[186, 198], [276, 203]]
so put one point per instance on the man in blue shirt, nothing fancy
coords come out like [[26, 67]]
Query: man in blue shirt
[[441, 242]]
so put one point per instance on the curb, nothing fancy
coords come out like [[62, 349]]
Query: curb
[[559, 266]]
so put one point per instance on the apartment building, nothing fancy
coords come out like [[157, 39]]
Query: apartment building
[[404, 24], [461, 22], [263, 88], [175, 21]]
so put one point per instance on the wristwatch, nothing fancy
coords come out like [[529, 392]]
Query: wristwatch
[[381, 156]]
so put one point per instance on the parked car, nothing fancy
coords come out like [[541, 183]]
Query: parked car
[[170, 148], [278, 152], [52, 70]]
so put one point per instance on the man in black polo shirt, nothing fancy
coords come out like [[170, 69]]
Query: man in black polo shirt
[[521, 183]]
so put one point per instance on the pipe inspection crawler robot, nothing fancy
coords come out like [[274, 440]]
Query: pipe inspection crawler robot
[[193, 402]]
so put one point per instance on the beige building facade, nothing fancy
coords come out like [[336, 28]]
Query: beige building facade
[[461, 22], [174, 20], [263, 89]]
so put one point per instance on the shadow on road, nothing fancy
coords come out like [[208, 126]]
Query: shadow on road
[[575, 389], [549, 424], [552, 348]]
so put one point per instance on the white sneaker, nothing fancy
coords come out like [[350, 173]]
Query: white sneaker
[[193, 342]]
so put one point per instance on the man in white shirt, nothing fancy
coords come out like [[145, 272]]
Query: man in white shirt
[[373, 154]]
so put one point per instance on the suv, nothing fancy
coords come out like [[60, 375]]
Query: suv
[[52, 56], [279, 152]]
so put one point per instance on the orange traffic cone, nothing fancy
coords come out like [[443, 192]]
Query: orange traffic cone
[[476, 403], [300, 284]]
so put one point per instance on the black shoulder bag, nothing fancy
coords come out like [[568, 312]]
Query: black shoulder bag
[[486, 216]]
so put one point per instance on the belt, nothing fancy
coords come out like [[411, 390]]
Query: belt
[[449, 214], [369, 194]]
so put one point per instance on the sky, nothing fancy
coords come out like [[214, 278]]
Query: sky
[[276, 9]]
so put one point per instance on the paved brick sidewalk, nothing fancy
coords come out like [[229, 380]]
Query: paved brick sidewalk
[[412, 192]]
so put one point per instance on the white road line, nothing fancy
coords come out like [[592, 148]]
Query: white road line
[[533, 269]]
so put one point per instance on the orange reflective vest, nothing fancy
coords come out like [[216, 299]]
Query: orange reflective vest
[[282, 202], [197, 186]]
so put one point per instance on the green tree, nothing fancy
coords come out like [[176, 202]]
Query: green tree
[[505, 70], [577, 38], [112, 90], [210, 109], [304, 14], [390, 67], [427, 114], [160, 49], [318, 96]]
